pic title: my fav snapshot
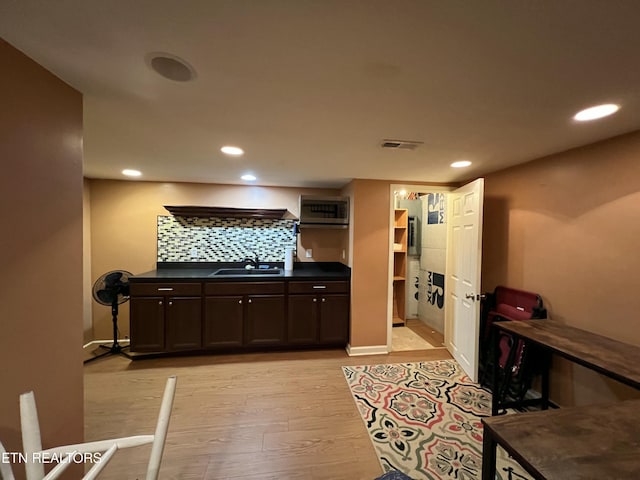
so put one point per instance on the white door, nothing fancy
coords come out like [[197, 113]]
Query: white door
[[462, 284]]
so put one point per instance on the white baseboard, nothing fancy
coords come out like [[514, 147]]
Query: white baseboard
[[122, 341], [368, 350]]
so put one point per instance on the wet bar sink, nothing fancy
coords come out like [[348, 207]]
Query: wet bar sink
[[241, 272]]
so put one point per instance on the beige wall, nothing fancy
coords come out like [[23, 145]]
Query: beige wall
[[41, 251], [567, 227], [369, 262], [123, 226]]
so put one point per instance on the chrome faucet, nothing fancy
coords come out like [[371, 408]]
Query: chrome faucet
[[252, 262]]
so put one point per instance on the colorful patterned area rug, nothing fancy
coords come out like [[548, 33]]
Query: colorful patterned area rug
[[424, 420]]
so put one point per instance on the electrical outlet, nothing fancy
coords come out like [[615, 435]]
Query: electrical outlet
[[194, 252], [309, 253]]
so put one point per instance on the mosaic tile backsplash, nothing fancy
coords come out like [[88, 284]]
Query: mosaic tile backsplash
[[195, 239]]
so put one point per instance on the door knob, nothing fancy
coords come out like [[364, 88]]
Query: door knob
[[480, 296]]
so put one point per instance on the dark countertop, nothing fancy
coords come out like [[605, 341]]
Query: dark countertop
[[202, 271]]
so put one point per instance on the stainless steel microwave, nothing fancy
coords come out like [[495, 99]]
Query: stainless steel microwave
[[323, 211]]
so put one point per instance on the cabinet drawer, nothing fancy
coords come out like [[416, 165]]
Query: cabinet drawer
[[319, 287], [168, 289], [243, 288]]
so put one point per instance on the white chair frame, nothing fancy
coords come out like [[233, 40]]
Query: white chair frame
[[32, 444]]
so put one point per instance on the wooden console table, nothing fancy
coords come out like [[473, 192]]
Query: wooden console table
[[609, 357], [584, 442], [592, 442]]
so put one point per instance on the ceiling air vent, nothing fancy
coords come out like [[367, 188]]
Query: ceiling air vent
[[400, 144]]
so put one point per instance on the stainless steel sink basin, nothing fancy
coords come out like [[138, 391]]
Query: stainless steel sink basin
[[241, 272]]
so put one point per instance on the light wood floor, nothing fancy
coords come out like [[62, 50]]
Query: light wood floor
[[283, 415], [429, 334]]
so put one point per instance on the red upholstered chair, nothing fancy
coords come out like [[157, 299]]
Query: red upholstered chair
[[516, 365]]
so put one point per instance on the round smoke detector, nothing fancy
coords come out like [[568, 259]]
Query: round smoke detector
[[170, 67]]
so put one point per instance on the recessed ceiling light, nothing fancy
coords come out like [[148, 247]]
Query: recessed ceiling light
[[593, 113], [170, 66], [461, 164], [248, 177], [131, 173], [229, 150]]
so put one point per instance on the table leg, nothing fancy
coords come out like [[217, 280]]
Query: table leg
[[546, 366], [495, 353], [488, 455]]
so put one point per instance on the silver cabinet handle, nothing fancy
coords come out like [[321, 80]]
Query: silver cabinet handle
[[239, 301], [324, 299], [249, 300], [470, 296], [319, 286], [170, 303], [165, 289], [160, 302], [315, 299]]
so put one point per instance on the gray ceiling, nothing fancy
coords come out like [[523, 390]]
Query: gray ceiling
[[310, 88]]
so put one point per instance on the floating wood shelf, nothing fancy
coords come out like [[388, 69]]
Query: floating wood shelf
[[197, 211]]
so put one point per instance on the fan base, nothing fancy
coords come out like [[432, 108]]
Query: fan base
[[115, 349]]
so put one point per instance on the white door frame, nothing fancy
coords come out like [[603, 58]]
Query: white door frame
[[422, 188]]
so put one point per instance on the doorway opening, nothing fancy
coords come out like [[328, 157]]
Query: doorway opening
[[418, 266]]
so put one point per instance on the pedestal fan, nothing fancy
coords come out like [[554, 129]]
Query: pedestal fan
[[112, 289]]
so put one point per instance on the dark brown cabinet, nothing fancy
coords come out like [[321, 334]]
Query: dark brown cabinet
[[334, 319], [165, 317], [228, 315], [265, 320], [244, 314], [147, 324], [318, 313], [303, 320], [183, 323], [223, 322]]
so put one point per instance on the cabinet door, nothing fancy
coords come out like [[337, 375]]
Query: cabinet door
[[223, 319], [265, 320], [334, 319], [147, 324], [183, 323], [302, 324]]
